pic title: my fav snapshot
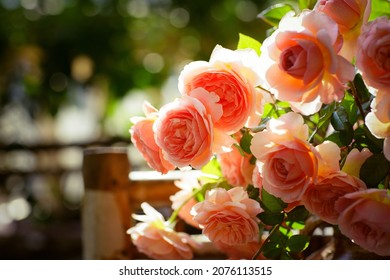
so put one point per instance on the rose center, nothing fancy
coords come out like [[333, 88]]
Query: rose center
[[293, 61], [383, 57]]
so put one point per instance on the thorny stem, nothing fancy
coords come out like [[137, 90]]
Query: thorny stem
[[356, 97], [273, 230]]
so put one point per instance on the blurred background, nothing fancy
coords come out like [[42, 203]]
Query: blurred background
[[72, 73]]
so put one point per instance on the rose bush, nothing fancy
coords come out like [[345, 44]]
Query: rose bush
[[290, 135]]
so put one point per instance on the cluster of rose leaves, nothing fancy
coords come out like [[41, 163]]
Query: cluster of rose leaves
[[289, 128]]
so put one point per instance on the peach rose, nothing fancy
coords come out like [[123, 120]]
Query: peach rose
[[142, 137], [377, 120], [240, 251], [289, 162], [350, 15], [320, 198], [156, 239], [232, 75], [185, 129], [365, 219], [228, 217], [236, 168], [300, 62], [257, 178], [373, 53]]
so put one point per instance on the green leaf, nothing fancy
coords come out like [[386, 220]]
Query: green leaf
[[212, 168], [271, 203], [365, 139], [361, 89], [307, 4], [272, 250], [298, 243], [270, 218], [253, 193], [374, 170], [379, 8], [273, 14], [245, 42], [298, 214], [342, 125], [350, 107], [245, 142]]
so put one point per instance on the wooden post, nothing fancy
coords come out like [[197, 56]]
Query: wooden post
[[106, 210]]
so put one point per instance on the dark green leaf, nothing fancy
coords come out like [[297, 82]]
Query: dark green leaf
[[374, 170], [272, 250], [245, 142], [365, 139], [273, 14], [298, 243], [270, 218], [246, 42], [361, 89], [271, 203], [339, 119], [253, 193], [298, 214], [342, 125]]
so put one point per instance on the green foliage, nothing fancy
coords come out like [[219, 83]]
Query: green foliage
[[379, 8], [212, 168], [245, 142], [298, 243], [374, 170], [245, 42], [273, 14], [271, 203]]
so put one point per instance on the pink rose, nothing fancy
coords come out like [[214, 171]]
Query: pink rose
[[236, 168], [350, 15], [257, 178], [185, 129], [365, 219], [142, 137], [232, 75], [156, 239], [289, 162], [373, 53], [228, 217], [320, 198], [300, 62]]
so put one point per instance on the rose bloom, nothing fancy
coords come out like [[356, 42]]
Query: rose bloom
[[228, 218], [236, 168], [350, 15], [320, 198], [156, 239], [301, 64], [185, 132], [355, 160], [373, 53], [289, 162], [240, 251], [142, 137], [365, 219], [232, 75], [378, 120]]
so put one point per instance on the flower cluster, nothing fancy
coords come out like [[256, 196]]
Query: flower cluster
[[294, 126]]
